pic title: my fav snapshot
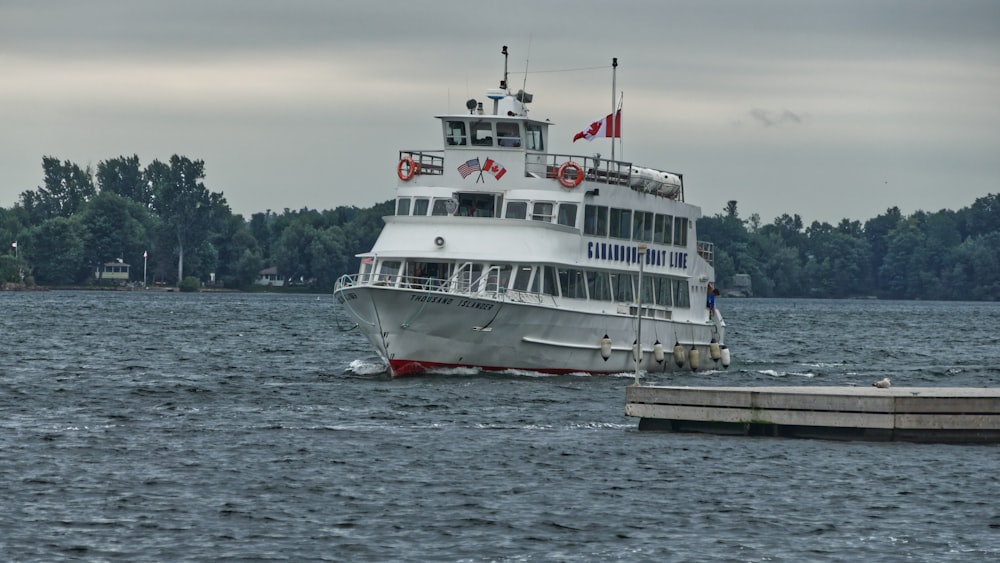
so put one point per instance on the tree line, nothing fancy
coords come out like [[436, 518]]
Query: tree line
[[164, 216], [945, 255], [81, 218]]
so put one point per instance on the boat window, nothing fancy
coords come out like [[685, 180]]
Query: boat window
[[467, 278], [648, 289], [542, 211], [508, 134], [680, 231], [567, 214], [465, 207], [572, 283], [622, 285], [435, 273], [441, 206], [620, 223], [420, 206], [387, 273], [663, 231], [403, 206], [599, 285], [595, 220], [522, 278], [366, 270], [484, 208], [642, 226], [536, 280], [482, 133], [517, 210], [454, 132], [533, 140], [551, 285], [663, 291], [682, 297], [498, 278]]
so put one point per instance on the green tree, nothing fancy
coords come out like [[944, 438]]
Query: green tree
[[10, 269], [56, 251], [249, 265], [877, 231], [233, 239], [983, 216], [116, 228], [12, 223], [124, 176], [185, 207], [67, 188]]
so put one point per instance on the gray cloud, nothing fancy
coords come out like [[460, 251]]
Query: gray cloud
[[769, 118], [305, 102]]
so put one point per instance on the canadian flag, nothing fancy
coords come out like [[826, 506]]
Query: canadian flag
[[602, 128], [494, 168]]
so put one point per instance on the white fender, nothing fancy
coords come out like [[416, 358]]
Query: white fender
[[658, 352], [693, 358], [714, 351], [679, 357], [605, 347], [725, 356]]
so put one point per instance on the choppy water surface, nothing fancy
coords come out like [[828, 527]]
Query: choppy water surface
[[170, 426]]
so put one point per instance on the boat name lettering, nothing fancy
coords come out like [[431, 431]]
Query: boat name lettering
[[474, 305], [432, 299], [449, 300], [612, 252]]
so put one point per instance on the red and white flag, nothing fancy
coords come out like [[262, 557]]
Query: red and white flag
[[602, 128], [494, 168]]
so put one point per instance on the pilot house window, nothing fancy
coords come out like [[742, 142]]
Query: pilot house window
[[533, 140], [482, 133], [508, 134], [454, 133]]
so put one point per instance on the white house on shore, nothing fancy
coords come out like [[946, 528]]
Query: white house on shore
[[269, 276], [114, 272]]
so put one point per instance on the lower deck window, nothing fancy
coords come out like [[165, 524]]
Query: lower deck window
[[595, 285]]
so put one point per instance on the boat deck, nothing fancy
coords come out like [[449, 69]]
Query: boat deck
[[912, 414]]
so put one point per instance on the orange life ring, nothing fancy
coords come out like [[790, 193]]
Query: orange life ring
[[569, 182], [412, 168]]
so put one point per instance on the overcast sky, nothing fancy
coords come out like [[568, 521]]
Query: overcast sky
[[831, 110]]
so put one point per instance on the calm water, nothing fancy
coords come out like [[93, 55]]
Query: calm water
[[167, 426]]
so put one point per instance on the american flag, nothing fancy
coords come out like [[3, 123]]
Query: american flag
[[469, 167]]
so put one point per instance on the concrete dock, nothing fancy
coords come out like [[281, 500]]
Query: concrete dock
[[911, 414]]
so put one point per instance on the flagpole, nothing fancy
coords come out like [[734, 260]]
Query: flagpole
[[145, 255], [614, 124]]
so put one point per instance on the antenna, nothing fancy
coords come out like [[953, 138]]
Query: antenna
[[524, 85], [503, 84]]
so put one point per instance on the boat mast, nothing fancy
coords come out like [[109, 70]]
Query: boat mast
[[614, 118]]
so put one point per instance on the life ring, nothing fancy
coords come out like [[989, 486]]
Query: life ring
[[566, 181], [411, 169]]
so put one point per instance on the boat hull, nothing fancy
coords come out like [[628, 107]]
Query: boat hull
[[417, 331]]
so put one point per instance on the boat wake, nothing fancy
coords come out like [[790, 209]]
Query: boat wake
[[366, 367]]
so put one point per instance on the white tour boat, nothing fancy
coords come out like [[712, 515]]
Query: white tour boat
[[503, 256]]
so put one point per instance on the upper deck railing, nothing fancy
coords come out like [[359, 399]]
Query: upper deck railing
[[547, 165]]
